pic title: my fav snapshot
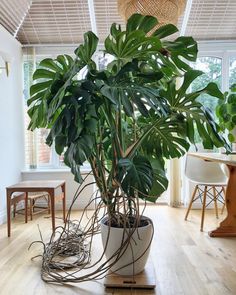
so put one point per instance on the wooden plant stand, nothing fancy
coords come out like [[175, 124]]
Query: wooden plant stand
[[144, 280]]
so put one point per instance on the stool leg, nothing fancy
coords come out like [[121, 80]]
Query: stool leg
[[191, 202], [31, 209], [203, 207], [215, 201], [14, 210], [33, 205]]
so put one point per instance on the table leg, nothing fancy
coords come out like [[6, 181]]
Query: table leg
[[52, 199], [26, 207], [63, 187], [9, 193], [227, 227]]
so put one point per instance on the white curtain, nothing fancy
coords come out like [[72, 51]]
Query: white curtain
[[174, 168], [175, 174], [30, 137]]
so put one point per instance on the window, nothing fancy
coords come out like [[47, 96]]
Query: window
[[212, 68], [37, 153], [232, 71]]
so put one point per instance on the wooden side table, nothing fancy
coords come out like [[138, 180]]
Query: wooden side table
[[48, 186]]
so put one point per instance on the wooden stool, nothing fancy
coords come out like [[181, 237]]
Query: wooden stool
[[33, 197], [33, 186]]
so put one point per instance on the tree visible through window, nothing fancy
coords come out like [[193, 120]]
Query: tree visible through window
[[212, 68], [232, 71]]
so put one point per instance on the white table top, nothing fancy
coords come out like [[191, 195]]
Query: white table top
[[216, 157]]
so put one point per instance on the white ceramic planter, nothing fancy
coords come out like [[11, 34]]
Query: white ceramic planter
[[137, 250]]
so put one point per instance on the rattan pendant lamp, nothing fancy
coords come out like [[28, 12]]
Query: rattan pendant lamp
[[166, 11]]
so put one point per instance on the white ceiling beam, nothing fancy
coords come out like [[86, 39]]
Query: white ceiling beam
[[92, 16], [186, 17]]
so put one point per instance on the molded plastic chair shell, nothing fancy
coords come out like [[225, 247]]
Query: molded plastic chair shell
[[212, 176], [204, 172]]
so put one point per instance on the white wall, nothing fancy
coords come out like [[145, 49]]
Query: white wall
[[11, 119]]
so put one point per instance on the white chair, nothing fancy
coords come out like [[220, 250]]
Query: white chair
[[210, 181]]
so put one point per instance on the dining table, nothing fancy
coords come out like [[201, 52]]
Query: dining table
[[227, 228], [49, 186]]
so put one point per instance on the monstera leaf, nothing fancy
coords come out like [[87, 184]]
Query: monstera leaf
[[53, 80], [133, 43], [135, 176], [142, 176], [185, 107], [161, 138]]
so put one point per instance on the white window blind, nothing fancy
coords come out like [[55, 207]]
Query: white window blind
[[55, 22], [12, 14], [37, 153]]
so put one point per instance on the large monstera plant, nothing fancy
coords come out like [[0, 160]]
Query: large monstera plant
[[126, 119]]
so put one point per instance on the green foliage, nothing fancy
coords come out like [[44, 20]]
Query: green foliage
[[226, 112], [232, 71], [211, 67], [128, 117]]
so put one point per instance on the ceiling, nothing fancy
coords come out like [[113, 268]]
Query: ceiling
[[64, 21]]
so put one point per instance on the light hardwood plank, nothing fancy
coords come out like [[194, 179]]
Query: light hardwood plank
[[186, 261]]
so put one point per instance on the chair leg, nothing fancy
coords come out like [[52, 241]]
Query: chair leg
[[203, 207], [191, 202], [215, 201], [223, 190]]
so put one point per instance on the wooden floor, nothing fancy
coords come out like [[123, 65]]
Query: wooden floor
[[186, 261]]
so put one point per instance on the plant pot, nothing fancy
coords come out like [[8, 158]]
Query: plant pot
[[133, 256]]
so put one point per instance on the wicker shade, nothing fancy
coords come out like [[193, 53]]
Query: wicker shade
[[166, 11]]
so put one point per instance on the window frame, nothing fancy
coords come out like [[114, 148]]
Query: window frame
[[220, 49]]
